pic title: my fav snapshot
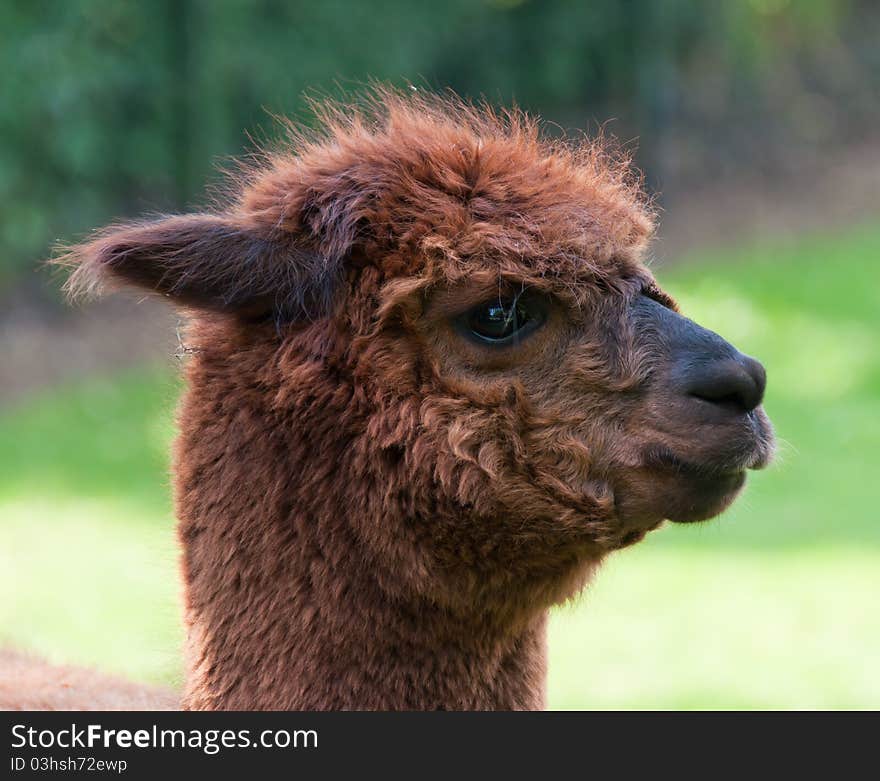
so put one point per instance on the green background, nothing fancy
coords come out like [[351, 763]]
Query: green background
[[115, 108]]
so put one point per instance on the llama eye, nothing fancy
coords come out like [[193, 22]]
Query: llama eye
[[500, 322]]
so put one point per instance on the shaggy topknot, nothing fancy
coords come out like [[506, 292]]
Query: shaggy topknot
[[394, 179]]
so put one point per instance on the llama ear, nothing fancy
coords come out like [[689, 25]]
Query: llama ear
[[207, 261]]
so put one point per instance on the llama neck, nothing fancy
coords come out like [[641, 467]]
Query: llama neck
[[290, 604], [313, 631]]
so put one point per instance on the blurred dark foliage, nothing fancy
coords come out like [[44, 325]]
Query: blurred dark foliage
[[114, 108]]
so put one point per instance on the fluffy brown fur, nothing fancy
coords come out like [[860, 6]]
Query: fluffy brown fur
[[376, 512]]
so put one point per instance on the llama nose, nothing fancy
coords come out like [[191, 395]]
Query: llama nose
[[736, 382]]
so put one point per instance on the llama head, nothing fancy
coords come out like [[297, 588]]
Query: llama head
[[521, 394]]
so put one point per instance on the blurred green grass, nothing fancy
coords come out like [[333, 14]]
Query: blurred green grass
[[772, 606]]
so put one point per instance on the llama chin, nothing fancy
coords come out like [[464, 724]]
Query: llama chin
[[431, 385]]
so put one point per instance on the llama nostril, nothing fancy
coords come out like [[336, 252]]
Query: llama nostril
[[734, 382]]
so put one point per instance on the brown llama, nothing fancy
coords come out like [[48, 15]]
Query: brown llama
[[432, 385]]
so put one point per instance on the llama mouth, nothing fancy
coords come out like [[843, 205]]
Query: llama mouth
[[698, 451], [662, 458], [686, 491]]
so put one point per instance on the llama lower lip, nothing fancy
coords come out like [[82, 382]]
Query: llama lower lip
[[705, 497], [648, 496]]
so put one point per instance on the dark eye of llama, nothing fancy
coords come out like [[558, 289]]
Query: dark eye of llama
[[504, 321]]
